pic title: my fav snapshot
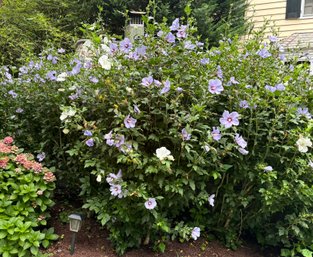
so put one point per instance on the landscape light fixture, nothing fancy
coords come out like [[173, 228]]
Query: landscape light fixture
[[75, 225]]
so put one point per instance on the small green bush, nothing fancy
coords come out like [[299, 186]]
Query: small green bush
[[25, 191]]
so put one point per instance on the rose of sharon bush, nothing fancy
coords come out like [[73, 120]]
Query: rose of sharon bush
[[192, 130], [25, 191]]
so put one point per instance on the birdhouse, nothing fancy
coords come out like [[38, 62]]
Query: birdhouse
[[135, 26]]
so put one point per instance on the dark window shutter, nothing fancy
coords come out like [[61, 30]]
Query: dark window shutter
[[293, 9]]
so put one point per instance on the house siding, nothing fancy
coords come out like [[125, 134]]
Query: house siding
[[275, 11]]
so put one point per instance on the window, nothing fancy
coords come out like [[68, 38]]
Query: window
[[299, 8], [307, 8]]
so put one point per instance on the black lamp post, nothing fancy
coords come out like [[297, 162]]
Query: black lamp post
[[75, 225]]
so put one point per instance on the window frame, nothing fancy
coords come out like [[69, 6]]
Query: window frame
[[302, 16]]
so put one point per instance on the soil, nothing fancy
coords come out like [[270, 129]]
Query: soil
[[91, 241]]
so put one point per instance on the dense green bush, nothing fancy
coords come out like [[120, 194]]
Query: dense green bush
[[25, 191], [169, 140]]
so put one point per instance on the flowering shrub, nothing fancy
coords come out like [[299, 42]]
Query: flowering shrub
[[170, 140], [25, 191]]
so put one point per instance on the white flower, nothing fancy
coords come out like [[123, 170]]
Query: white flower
[[303, 143], [62, 77], [268, 168], [211, 200], [195, 233], [163, 153], [99, 178], [69, 112], [105, 62]]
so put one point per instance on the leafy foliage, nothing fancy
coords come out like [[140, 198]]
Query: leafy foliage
[[167, 139], [26, 188]]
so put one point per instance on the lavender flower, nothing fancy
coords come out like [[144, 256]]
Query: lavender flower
[[119, 140], [263, 53], [51, 75], [61, 51], [175, 25], [12, 93], [141, 51], [280, 87], [240, 141], [185, 135], [93, 79], [179, 89], [136, 109], [219, 72], [181, 33], [204, 61], [215, 86], [113, 48], [19, 110], [90, 142], [116, 190], [233, 81], [243, 151], [76, 69], [268, 168], [112, 178], [125, 45], [229, 119], [244, 104], [41, 156], [304, 112], [270, 88], [166, 88], [272, 38], [150, 204], [129, 122], [216, 134], [109, 139], [189, 46], [147, 81], [88, 133], [195, 233], [160, 33], [170, 38]]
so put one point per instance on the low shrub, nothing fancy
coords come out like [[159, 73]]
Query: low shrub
[[25, 191], [169, 139]]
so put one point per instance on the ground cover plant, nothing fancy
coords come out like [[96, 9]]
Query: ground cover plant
[[25, 191], [169, 140]]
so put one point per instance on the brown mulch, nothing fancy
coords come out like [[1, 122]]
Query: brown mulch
[[92, 241]]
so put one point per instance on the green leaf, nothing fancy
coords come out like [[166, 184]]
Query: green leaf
[[3, 234], [306, 253]]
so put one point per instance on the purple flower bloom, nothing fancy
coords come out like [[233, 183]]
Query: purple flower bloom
[[8, 75], [219, 72], [240, 141], [273, 38], [175, 25], [181, 33], [76, 69], [19, 110], [263, 53], [51, 75], [185, 134], [129, 122], [88, 133], [88, 64], [166, 88], [113, 48], [195, 233], [119, 140], [141, 51], [215, 86], [109, 139], [199, 44], [282, 57], [229, 119], [233, 81], [244, 104], [243, 151], [270, 88], [113, 178], [170, 38], [179, 89], [61, 51], [41, 156], [90, 142], [304, 112], [160, 33], [12, 93], [280, 87], [136, 109], [157, 82], [125, 45], [211, 199], [189, 46], [204, 61], [116, 190], [268, 168], [216, 134], [147, 81], [93, 79], [150, 203]]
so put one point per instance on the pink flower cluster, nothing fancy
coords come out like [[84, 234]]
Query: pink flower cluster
[[28, 164], [3, 162], [49, 176]]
